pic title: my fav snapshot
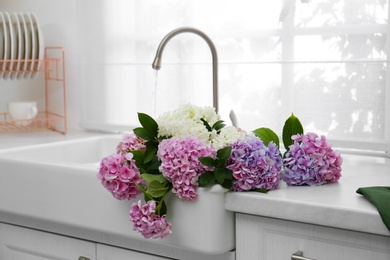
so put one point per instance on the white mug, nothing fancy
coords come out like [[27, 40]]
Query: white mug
[[23, 111]]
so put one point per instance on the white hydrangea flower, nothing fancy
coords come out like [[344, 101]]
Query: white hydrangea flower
[[185, 121], [227, 136]]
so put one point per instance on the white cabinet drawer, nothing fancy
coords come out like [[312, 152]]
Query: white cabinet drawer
[[260, 238], [17, 243]]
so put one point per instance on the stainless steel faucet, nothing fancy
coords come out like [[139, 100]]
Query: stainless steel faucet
[[157, 60]]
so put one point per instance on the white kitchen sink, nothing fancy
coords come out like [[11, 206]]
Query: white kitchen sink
[[80, 151], [56, 185]]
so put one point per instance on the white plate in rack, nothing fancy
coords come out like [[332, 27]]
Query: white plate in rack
[[1, 41], [27, 43], [22, 51], [4, 48], [34, 47], [12, 46], [18, 52], [40, 45]]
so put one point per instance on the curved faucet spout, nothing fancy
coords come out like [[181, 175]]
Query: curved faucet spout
[[157, 60]]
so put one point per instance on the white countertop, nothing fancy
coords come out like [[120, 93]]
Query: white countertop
[[333, 205]]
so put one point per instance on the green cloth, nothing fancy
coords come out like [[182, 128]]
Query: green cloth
[[380, 197]]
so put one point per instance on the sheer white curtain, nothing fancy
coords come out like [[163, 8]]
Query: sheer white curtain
[[324, 61]]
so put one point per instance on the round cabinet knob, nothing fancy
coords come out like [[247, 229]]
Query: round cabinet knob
[[299, 256]]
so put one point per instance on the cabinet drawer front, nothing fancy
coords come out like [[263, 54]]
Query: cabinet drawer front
[[115, 253], [17, 243], [269, 239]]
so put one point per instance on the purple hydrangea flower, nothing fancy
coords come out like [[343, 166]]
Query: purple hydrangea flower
[[311, 161], [180, 164], [119, 174], [254, 165], [147, 222]]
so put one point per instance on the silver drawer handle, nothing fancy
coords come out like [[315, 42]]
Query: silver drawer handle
[[84, 258], [299, 256]]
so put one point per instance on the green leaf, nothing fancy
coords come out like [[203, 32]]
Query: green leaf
[[156, 189], [228, 174], [222, 174], [267, 135], [206, 124], [207, 161], [154, 166], [148, 123], [218, 125], [227, 184], [220, 178], [291, 127], [143, 133], [139, 156], [151, 151], [162, 210], [146, 196], [222, 155], [261, 190], [153, 177], [160, 138], [206, 179]]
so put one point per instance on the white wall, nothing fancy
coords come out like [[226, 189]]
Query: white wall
[[59, 23]]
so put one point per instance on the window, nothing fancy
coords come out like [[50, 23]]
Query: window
[[325, 61]]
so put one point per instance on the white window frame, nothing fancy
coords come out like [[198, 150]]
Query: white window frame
[[287, 34]]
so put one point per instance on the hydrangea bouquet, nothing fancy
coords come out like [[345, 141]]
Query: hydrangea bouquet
[[309, 159], [191, 147]]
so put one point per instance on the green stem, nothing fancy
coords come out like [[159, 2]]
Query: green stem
[[160, 203]]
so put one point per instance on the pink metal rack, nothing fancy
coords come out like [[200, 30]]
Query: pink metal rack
[[54, 115]]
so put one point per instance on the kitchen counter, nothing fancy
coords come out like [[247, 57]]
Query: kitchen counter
[[333, 205]]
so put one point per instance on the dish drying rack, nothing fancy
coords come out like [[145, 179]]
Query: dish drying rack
[[53, 65]]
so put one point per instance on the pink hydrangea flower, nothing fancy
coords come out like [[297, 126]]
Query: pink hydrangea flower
[[119, 174], [311, 161], [180, 164], [147, 222], [131, 142], [254, 165]]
